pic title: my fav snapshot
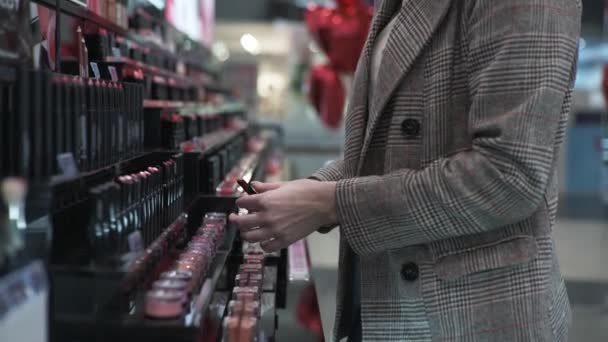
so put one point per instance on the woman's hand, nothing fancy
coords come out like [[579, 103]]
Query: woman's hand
[[284, 213]]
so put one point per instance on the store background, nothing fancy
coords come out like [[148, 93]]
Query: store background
[[284, 49]]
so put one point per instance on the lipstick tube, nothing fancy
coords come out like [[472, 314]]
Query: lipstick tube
[[12, 130], [60, 117], [47, 98], [106, 144], [83, 123], [3, 128], [92, 126], [140, 116], [35, 118], [121, 120], [113, 123], [70, 119]]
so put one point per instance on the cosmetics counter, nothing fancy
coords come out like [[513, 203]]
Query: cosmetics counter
[[119, 165]]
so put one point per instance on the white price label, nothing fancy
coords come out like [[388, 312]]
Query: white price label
[[95, 68], [113, 73]]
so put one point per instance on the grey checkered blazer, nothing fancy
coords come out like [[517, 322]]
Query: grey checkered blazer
[[447, 190]]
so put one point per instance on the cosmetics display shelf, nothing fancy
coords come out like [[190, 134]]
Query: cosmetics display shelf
[[112, 168], [162, 104], [217, 88], [224, 138], [77, 10], [246, 169], [154, 70], [97, 307], [204, 169], [206, 108], [150, 69]]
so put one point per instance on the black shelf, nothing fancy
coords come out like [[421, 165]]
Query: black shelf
[[74, 9], [7, 74]]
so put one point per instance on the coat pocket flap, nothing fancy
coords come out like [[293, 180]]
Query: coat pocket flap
[[507, 252]]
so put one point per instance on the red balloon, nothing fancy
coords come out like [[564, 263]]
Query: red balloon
[[327, 95], [348, 3], [340, 32], [318, 20]]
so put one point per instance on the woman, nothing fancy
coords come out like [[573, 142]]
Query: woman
[[447, 192]]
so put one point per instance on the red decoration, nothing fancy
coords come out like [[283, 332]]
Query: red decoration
[[340, 31], [308, 312], [327, 95]]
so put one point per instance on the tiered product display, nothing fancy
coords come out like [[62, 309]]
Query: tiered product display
[[119, 163]]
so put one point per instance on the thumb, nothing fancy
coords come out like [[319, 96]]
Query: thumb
[[264, 187]]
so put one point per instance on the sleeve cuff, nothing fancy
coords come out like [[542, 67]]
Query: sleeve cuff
[[368, 209], [326, 175]]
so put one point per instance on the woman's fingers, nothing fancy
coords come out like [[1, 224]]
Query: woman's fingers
[[257, 235], [272, 246], [263, 187], [251, 203], [247, 222]]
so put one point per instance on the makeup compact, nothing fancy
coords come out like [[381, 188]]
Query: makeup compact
[[177, 275], [179, 286], [164, 304]]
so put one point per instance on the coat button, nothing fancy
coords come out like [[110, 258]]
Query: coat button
[[410, 271], [410, 127]]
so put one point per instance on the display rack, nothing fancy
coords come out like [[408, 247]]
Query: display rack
[[123, 164]]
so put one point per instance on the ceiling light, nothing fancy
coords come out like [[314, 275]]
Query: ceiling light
[[250, 44]]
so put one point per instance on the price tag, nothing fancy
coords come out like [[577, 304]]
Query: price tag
[[67, 164], [113, 73], [95, 68], [116, 52]]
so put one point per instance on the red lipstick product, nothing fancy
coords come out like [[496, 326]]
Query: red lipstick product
[[82, 124]]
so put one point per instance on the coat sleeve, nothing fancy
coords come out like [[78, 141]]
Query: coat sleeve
[[330, 173], [521, 56]]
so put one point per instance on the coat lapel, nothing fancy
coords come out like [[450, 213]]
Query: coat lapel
[[358, 107], [417, 20]]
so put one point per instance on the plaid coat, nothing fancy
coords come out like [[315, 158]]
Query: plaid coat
[[447, 190]]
